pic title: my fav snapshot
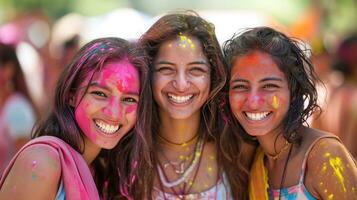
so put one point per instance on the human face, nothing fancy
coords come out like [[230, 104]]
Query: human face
[[181, 81], [259, 95], [108, 108]]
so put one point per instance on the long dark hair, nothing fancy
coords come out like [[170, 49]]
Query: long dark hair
[[293, 60], [61, 121], [169, 27]]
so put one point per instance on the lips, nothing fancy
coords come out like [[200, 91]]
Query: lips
[[179, 99], [257, 116], [107, 128]]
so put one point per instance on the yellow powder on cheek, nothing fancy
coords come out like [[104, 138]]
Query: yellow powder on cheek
[[275, 103]]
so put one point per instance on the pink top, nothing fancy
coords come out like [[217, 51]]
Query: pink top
[[77, 178]]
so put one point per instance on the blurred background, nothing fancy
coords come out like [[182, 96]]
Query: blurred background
[[44, 35]]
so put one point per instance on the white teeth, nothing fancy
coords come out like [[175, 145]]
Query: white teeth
[[257, 116], [106, 128], [180, 99]]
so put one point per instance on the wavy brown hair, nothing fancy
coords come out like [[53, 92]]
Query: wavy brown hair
[[169, 27], [293, 60], [61, 122]]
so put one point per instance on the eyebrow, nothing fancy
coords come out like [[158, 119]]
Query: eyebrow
[[96, 84], [239, 80], [164, 62], [201, 62], [263, 80], [271, 79]]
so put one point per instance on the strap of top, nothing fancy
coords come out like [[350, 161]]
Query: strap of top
[[303, 167]]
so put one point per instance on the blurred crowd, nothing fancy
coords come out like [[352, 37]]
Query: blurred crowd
[[34, 50]]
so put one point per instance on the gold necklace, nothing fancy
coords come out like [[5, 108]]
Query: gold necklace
[[282, 150], [178, 144]]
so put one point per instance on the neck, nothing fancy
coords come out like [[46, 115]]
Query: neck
[[91, 151], [272, 144], [179, 130]]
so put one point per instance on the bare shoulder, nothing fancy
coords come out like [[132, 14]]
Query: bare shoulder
[[331, 170], [37, 168]]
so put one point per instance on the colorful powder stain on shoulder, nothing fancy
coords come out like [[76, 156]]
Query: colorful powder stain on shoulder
[[330, 197], [337, 166], [275, 102]]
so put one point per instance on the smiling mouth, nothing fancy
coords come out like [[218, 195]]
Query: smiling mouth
[[257, 116], [179, 99], [106, 128]]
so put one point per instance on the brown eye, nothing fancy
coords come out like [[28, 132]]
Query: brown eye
[[270, 86], [239, 87], [198, 71], [165, 70], [98, 93]]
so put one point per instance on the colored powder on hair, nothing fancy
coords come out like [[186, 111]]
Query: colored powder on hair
[[336, 164]]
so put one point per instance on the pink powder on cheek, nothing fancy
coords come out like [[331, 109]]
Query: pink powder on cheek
[[131, 109], [84, 121]]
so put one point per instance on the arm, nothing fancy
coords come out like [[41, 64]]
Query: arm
[[35, 174], [331, 172]]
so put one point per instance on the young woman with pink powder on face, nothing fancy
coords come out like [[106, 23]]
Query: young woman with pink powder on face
[[95, 110]]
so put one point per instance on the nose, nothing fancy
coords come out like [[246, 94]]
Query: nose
[[113, 110], [181, 82], [255, 100]]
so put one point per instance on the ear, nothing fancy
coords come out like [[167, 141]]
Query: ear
[[72, 100]]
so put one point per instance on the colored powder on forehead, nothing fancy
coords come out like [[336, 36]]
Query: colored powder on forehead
[[123, 74], [185, 41], [275, 102], [336, 164]]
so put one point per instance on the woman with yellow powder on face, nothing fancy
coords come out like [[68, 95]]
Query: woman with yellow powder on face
[[183, 127], [271, 94]]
